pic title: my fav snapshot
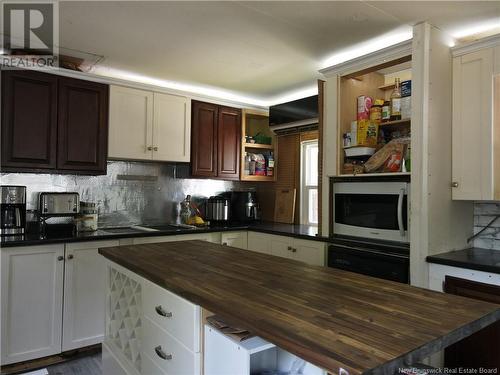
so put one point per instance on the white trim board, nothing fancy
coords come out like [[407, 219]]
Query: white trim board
[[144, 86], [393, 52], [462, 49]]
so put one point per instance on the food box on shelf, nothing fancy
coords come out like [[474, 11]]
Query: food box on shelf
[[367, 133]]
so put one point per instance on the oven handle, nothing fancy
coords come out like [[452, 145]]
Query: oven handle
[[400, 212]]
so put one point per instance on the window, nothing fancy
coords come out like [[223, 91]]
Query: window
[[309, 182]]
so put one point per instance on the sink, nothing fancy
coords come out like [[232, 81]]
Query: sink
[[125, 230]]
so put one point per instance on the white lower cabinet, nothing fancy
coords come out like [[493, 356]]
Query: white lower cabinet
[[235, 239], [32, 300], [52, 299], [84, 294], [308, 251], [224, 356], [438, 273]]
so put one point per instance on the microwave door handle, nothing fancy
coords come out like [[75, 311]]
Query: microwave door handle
[[400, 212]]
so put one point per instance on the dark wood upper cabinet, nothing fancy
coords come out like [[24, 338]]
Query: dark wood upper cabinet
[[229, 143], [482, 348], [53, 124], [204, 139], [29, 120], [82, 126]]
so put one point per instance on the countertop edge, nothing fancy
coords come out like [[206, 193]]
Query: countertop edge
[[138, 234], [438, 259]]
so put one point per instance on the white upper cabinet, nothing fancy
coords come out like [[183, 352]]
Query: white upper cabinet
[[130, 123], [476, 129], [146, 125], [171, 128]]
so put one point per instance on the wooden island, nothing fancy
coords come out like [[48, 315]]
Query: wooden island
[[336, 320]]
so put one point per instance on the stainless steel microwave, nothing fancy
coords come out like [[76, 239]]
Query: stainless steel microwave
[[378, 210]]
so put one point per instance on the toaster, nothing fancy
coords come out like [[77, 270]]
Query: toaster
[[59, 204]]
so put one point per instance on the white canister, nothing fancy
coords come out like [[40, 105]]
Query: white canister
[[87, 220]]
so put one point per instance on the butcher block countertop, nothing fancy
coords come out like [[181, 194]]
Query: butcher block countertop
[[329, 317]]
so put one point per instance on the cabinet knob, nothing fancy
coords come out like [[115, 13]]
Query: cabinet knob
[[162, 354], [71, 256], [60, 258], [454, 184], [150, 148], [155, 148], [161, 311], [289, 248], [294, 250]]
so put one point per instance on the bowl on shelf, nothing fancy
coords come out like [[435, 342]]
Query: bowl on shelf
[[357, 151]]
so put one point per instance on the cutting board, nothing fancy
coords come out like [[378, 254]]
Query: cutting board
[[284, 206]]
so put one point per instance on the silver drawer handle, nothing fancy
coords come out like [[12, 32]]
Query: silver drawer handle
[[162, 354], [161, 311]]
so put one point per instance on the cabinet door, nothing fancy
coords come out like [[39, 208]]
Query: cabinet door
[[310, 252], [84, 295], [171, 128], [229, 143], [29, 119], [32, 292], [482, 349], [281, 246], [472, 141], [130, 123], [204, 139], [82, 142], [235, 239], [259, 242]]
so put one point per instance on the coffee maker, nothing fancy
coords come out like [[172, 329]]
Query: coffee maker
[[13, 210], [244, 206]]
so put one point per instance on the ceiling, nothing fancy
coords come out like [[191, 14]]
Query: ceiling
[[257, 50]]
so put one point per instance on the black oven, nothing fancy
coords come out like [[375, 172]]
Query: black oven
[[385, 261]]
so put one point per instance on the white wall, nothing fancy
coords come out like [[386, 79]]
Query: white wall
[[438, 224]]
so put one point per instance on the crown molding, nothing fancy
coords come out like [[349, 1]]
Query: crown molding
[[393, 52], [144, 86], [488, 42]]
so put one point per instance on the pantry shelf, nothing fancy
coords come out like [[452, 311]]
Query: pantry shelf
[[255, 123], [396, 122], [388, 87], [258, 178], [258, 145]]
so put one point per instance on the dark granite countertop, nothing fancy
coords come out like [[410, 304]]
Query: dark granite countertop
[[487, 260], [299, 231]]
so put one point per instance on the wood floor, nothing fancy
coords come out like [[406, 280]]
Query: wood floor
[[89, 365]]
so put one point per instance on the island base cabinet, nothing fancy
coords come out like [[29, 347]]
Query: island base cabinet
[[32, 293], [225, 356]]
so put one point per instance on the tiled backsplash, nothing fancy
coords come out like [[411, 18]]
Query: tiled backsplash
[[130, 193], [483, 214]]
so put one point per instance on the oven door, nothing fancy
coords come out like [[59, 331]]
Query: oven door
[[376, 210], [394, 267]]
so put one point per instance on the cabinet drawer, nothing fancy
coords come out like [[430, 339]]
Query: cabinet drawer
[[149, 367], [168, 353], [175, 315]]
